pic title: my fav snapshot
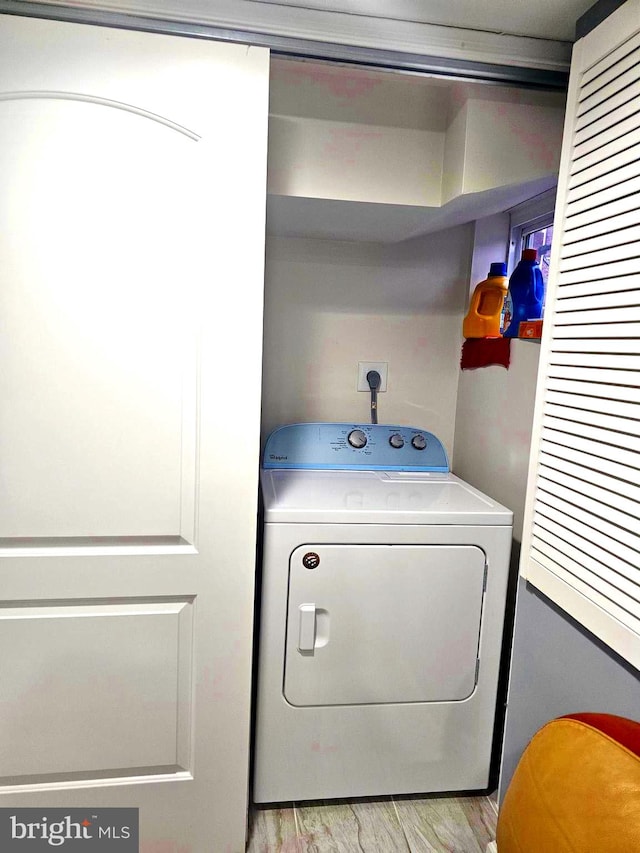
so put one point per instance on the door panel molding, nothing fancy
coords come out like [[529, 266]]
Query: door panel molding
[[127, 668], [103, 102]]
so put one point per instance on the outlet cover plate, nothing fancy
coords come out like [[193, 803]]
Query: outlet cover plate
[[365, 366]]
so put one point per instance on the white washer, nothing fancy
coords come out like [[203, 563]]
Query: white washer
[[383, 594]]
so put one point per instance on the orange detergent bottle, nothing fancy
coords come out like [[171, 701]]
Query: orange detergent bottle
[[483, 318]]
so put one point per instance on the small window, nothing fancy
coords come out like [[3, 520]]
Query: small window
[[540, 239], [532, 228]]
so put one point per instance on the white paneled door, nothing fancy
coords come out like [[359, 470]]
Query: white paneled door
[[132, 196]]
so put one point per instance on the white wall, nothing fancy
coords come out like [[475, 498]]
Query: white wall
[[493, 428], [330, 304], [494, 414]]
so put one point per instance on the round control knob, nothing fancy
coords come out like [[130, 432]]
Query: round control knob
[[357, 438], [396, 440], [419, 442]]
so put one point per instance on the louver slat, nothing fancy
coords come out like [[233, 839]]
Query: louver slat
[[584, 582], [566, 411], [583, 246], [611, 225], [600, 271], [593, 215], [589, 258], [602, 450], [614, 268], [603, 285], [572, 400], [579, 534], [567, 514], [619, 191], [607, 171], [618, 151], [582, 531], [571, 315], [622, 78], [623, 90], [558, 455], [608, 67], [593, 505], [573, 386], [624, 145], [612, 177], [593, 142], [609, 125], [623, 495], [624, 592], [582, 487], [587, 330], [613, 361], [597, 345]]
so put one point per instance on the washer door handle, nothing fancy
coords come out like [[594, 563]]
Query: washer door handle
[[307, 629]]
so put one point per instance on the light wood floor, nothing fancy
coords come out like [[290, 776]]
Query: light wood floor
[[417, 825]]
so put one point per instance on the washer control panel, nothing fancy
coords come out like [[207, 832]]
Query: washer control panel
[[355, 446]]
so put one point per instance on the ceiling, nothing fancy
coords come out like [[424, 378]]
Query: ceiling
[[547, 19], [534, 34]]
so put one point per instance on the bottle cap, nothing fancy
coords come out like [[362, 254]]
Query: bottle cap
[[530, 255], [497, 269]]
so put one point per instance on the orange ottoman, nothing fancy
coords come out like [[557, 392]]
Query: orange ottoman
[[576, 789]]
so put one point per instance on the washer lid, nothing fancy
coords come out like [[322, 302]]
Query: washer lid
[[376, 497]]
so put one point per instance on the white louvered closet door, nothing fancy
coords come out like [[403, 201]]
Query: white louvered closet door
[[582, 525]]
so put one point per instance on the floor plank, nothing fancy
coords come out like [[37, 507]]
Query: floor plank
[[408, 825], [351, 828], [437, 825], [482, 816], [273, 830]]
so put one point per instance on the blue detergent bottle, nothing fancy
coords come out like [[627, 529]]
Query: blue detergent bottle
[[525, 298]]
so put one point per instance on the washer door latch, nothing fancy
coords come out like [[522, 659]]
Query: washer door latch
[[307, 631]]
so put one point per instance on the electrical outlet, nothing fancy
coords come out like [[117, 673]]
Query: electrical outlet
[[365, 366]]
